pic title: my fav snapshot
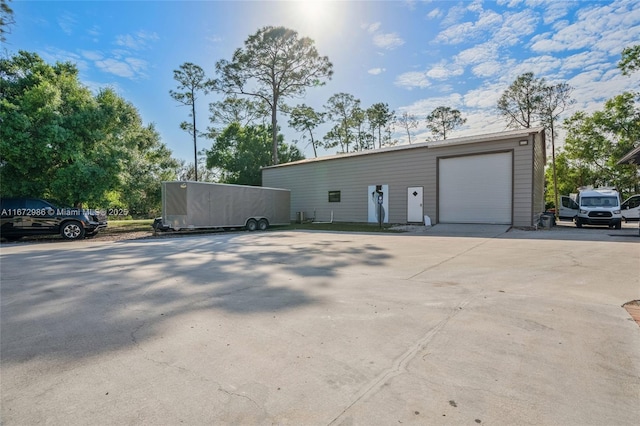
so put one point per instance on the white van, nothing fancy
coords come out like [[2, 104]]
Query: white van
[[631, 208], [599, 206]]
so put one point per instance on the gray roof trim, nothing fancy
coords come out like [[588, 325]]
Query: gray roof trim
[[488, 137], [633, 157]]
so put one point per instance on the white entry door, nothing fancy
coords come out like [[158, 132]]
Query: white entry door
[[414, 204]]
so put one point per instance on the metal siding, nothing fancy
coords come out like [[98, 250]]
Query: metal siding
[[219, 205], [539, 163], [311, 181]]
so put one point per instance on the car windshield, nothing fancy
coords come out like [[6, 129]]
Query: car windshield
[[602, 201]]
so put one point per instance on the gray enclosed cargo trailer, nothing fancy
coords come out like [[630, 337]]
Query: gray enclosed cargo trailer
[[200, 205]]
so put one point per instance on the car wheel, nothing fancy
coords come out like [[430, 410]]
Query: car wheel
[[252, 225], [72, 230], [263, 224]]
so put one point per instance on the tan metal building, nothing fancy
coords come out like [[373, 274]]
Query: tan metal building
[[495, 178]]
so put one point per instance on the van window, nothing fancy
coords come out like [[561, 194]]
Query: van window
[[569, 203], [602, 201], [633, 202]]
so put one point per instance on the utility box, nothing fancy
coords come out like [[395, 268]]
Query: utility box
[[198, 205]]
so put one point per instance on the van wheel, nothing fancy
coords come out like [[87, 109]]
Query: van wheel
[[263, 224], [619, 225], [578, 223], [72, 230], [252, 225]]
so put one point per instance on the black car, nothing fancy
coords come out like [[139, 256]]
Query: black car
[[21, 217]]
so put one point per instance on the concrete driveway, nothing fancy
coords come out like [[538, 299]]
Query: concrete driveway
[[315, 328]]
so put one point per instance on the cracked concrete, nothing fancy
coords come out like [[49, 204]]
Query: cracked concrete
[[495, 327]]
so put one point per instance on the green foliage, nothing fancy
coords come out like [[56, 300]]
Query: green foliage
[[305, 119], [59, 141], [630, 61], [240, 152], [341, 108], [6, 19], [444, 119], [379, 117], [191, 80], [354, 127], [237, 110], [596, 142], [571, 176], [520, 103], [275, 64], [407, 122]]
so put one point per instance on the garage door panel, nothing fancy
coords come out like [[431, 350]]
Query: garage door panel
[[476, 189]]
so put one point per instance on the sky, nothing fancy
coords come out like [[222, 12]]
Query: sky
[[413, 55]]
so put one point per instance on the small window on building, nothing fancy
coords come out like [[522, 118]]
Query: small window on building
[[334, 196]]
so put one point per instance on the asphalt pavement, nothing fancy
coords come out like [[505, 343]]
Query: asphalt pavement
[[495, 326]]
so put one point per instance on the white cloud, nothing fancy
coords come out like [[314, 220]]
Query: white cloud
[[413, 79], [477, 54], [215, 39], [605, 26], [486, 23], [592, 88], [371, 28], [91, 55], [585, 61], [53, 54], [376, 71], [444, 70], [488, 69], [128, 68], [94, 31], [541, 66], [388, 41], [138, 41], [67, 22], [435, 14], [112, 66], [515, 27], [423, 107], [556, 10], [411, 4], [454, 15], [475, 6]]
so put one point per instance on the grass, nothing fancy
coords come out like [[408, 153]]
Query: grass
[[338, 227], [133, 225]]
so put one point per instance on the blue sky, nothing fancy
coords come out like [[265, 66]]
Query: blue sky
[[413, 55]]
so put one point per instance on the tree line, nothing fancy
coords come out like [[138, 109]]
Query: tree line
[[594, 143], [276, 64]]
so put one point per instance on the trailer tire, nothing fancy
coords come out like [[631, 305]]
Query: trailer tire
[[251, 225], [263, 224]]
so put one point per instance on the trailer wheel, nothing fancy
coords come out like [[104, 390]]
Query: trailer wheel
[[251, 225], [263, 224]]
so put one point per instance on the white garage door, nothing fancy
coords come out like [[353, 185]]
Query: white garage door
[[476, 189]]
